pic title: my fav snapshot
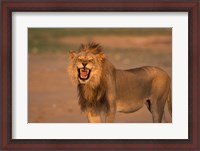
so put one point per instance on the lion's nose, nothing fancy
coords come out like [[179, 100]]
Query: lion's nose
[[84, 64]]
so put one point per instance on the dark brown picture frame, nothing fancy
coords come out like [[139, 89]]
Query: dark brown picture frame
[[7, 7]]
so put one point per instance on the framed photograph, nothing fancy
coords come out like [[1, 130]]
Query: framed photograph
[[100, 75]]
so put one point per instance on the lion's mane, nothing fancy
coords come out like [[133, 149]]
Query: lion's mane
[[92, 95]]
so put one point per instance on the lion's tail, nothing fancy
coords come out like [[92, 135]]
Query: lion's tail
[[169, 100]]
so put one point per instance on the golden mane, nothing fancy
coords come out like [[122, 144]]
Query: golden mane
[[91, 47]]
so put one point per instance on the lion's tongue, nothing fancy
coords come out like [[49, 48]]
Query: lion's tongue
[[84, 73]]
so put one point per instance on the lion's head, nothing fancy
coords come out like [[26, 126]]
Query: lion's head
[[86, 64]]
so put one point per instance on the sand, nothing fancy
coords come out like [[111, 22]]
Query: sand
[[53, 99]]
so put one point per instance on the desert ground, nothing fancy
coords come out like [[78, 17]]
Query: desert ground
[[52, 98]]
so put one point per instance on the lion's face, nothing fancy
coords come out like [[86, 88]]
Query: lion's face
[[85, 64], [85, 67]]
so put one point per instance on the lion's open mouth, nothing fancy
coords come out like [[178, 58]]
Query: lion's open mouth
[[84, 73]]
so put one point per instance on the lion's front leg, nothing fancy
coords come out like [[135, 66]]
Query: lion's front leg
[[93, 117], [111, 100], [110, 115]]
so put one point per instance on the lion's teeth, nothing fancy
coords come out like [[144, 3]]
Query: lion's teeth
[[84, 72]]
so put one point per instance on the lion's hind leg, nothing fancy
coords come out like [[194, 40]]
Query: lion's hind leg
[[166, 116], [155, 109], [157, 105], [159, 93], [157, 113]]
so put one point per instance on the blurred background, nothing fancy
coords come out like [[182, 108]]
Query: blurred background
[[51, 96]]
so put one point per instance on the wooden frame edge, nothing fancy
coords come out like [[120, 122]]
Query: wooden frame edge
[[8, 143]]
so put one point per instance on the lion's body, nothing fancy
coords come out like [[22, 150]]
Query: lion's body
[[135, 87], [103, 88]]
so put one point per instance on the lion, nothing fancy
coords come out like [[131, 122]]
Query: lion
[[105, 90]]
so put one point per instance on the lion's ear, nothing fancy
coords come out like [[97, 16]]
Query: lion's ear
[[72, 54], [101, 56]]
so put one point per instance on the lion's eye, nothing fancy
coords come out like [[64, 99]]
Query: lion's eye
[[79, 59], [91, 60]]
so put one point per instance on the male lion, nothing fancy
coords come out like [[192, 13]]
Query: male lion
[[103, 88]]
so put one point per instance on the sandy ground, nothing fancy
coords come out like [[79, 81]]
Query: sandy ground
[[51, 96]]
